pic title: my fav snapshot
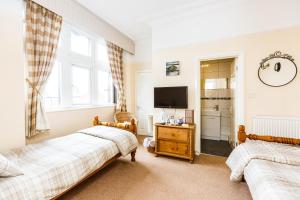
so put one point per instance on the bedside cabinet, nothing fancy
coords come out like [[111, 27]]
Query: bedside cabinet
[[176, 141]]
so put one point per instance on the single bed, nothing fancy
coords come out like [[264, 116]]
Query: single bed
[[53, 167], [269, 165], [270, 180]]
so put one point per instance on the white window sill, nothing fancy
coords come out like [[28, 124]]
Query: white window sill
[[79, 107]]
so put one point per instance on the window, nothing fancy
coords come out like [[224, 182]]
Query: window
[[52, 90], [105, 87], [104, 80], [80, 85], [81, 75], [80, 44], [101, 52]]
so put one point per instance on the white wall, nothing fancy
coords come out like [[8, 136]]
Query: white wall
[[223, 19], [259, 98], [253, 28], [12, 83], [142, 60], [69, 121], [76, 14], [143, 53], [12, 105]]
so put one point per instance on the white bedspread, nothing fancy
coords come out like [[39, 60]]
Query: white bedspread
[[273, 181], [53, 166], [272, 170], [125, 140], [251, 149]]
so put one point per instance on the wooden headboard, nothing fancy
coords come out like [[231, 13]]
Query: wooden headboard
[[242, 136], [132, 127]]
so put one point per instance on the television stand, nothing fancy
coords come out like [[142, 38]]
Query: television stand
[[176, 141]]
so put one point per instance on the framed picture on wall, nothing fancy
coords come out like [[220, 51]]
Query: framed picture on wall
[[173, 68]]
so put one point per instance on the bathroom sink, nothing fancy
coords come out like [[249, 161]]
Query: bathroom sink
[[211, 113]]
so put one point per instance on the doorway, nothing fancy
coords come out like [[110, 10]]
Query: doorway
[[144, 102], [217, 85]]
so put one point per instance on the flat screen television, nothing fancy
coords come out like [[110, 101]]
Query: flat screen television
[[171, 97]]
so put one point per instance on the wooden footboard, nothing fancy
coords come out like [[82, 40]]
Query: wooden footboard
[[242, 136], [132, 127]]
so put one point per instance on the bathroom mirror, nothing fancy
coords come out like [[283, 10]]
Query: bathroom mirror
[[218, 83]]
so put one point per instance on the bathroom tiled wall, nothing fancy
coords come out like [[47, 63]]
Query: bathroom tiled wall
[[221, 97]]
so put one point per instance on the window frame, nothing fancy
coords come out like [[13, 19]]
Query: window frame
[[68, 58], [89, 84], [59, 81]]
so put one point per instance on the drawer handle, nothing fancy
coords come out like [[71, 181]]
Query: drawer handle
[[173, 135], [174, 149]]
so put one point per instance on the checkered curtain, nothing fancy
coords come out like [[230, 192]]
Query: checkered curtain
[[115, 54], [42, 34]]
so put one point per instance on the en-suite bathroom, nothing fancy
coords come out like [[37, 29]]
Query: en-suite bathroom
[[217, 106]]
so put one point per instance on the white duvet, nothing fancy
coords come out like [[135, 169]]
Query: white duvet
[[251, 149], [273, 181], [125, 140], [272, 170], [55, 165]]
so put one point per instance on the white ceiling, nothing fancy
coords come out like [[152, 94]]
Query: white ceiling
[[140, 19], [134, 17]]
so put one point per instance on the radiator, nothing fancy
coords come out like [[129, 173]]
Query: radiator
[[277, 126]]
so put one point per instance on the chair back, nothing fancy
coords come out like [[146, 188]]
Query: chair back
[[122, 117]]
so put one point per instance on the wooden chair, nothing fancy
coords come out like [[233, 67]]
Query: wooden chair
[[122, 117]]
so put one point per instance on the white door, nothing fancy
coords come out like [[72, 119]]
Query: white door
[[144, 100]]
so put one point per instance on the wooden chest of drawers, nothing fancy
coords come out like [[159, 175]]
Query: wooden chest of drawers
[[176, 141]]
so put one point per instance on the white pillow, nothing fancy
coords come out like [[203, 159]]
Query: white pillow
[[7, 168]]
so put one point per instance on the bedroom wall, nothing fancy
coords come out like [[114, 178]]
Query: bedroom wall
[[12, 116], [259, 98], [12, 85], [69, 121], [142, 60]]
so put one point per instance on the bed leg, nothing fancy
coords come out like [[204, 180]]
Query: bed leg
[[133, 156]]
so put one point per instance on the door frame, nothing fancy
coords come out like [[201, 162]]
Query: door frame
[[239, 91], [135, 86]]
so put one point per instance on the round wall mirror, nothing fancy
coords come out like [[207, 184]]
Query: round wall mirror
[[277, 70]]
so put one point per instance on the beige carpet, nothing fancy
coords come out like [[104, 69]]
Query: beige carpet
[[162, 178]]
